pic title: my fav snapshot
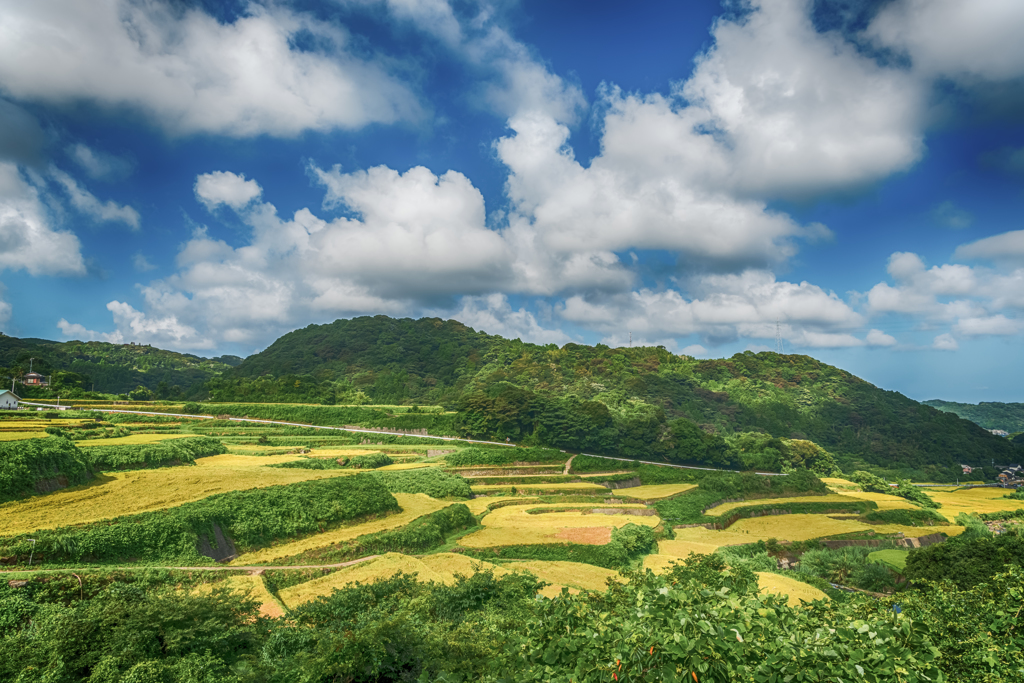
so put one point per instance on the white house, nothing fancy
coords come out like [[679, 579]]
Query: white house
[[8, 400]]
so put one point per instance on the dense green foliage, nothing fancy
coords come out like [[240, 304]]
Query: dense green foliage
[[434, 482], [903, 488], [252, 519], [990, 415], [699, 622], [40, 465], [476, 455], [168, 452], [923, 517], [967, 560], [76, 367]]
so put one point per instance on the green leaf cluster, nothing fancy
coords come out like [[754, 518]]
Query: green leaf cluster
[[36, 466], [170, 452]]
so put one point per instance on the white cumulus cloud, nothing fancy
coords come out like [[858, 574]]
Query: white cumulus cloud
[[225, 187], [87, 203]]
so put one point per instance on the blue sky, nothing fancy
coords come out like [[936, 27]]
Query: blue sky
[[205, 176]]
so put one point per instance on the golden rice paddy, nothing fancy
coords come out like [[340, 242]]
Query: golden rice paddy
[[721, 510], [251, 586], [884, 501], [479, 505], [236, 460], [127, 493], [513, 525], [413, 505], [406, 466], [132, 439], [21, 436], [974, 500], [572, 574], [574, 486], [340, 452], [783, 585], [837, 484], [654, 491]]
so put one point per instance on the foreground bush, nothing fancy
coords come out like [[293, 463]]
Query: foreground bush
[[40, 465], [432, 481], [171, 451]]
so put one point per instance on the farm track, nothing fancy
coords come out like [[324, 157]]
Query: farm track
[[224, 568]]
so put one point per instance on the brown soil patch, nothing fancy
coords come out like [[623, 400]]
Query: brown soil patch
[[588, 535]]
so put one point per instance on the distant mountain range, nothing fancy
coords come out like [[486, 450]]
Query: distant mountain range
[[991, 415], [752, 410]]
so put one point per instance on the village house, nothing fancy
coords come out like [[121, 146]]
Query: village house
[[8, 400], [34, 379]]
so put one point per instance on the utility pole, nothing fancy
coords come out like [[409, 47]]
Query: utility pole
[[31, 552], [30, 364], [630, 340], [778, 337]]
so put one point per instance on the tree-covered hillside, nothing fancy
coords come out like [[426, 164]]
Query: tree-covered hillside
[[990, 415], [109, 368], [748, 410]]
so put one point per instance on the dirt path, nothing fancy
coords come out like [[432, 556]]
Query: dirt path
[[193, 569], [568, 465]]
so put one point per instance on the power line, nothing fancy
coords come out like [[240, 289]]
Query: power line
[[778, 337]]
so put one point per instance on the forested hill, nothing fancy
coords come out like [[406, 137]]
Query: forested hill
[[751, 410], [990, 415], [76, 367]]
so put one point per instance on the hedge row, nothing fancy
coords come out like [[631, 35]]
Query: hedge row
[[252, 518], [180, 451], [921, 516], [429, 480], [30, 465]]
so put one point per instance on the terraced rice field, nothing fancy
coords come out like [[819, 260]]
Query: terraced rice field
[[20, 436], [414, 505], [513, 525], [250, 586], [130, 440], [340, 452], [479, 505], [806, 527], [783, 585], [127, 493], [407, 466], [654, 491], [573, 486], [883, 500], [974, 500], [572, 574], [897, 559], [721, 510], [840, 485], [237, 460]]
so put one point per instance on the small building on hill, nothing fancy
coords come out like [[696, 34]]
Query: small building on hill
[[8, 400], [34, 379]]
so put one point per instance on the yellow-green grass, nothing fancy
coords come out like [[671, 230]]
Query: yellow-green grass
[[573, 574], [653, 491], [341, 452], [660, 564], [480, 504], [127, 493], [133, 439], [838, 484], [729, 507], [783, 585], [897, 559], [884, 501], [250, 586], [974, 500], [413, 505], [805, 527], [513, 525], [572, 486], [21, 436], [237, 460], [692, 541], [439, 568], [407, 466]]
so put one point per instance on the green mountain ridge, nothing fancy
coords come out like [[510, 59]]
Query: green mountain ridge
[[988, 414]]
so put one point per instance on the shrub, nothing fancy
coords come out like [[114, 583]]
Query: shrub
[[171, 451], [476, 455], [429, 480], [27, 467], [907, 517]]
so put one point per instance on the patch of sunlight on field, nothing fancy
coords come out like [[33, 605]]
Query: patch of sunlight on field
[[974, 500], [478, 505], [127, 493], [883, 500], [406, 466], [413, 505], [581, 486], [513, 525], [837, 484], [654, 491], [659, 564], [572, 574], [247, 585], [783, 585], [729, 507], [129, 440], [383, 567], [21, 436], [555, 590], [897, 559]]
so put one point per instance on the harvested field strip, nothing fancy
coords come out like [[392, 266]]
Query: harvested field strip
[[783, 585], [884, 501], [582, 486], [974, 500], [20, 436], [653, 491], [127, 493], [513, 525], [841, 485], [479, 505], [721, 510], [573, 574], [413, 505], [341, 452], [251, 586], [130, 440], [236, 460]]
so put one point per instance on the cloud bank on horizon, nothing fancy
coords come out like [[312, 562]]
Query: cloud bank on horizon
[[844, 174]]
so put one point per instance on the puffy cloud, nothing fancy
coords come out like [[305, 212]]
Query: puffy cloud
[[694, 350], [963, 40], [494, 314], [1008, 246], [224, 187], [945, 342], [988, 325], [87, 203], [879, 338], [80, 332], [192, 73], [28, 240]]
